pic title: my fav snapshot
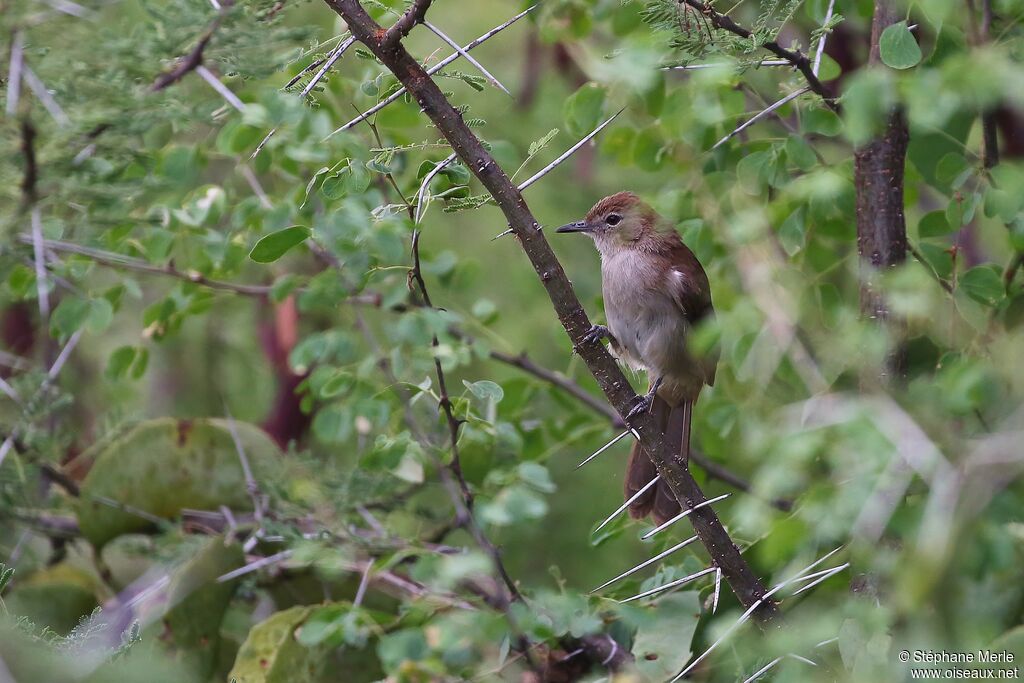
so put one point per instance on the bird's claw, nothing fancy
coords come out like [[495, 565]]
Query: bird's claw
[[596, 334], [643, 404]]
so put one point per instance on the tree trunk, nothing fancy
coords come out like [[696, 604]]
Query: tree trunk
[[881, 225]]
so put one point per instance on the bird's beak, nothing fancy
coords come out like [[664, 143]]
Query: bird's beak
[[578, 226]]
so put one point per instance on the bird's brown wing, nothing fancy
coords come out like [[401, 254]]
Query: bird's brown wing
[[690, 289]]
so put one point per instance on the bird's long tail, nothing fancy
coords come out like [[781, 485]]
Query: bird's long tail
[[658, 500]]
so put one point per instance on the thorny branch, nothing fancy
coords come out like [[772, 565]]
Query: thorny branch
[[428, 95], [799, 60]]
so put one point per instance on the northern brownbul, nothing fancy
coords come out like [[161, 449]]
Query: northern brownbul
[[655, 293]]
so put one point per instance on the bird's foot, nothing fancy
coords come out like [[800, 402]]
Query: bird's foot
[[597, 334], [643, 404]]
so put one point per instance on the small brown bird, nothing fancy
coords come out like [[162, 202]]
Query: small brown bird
[[655, 293]]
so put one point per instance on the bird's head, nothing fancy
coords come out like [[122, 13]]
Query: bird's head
[[618, 221]]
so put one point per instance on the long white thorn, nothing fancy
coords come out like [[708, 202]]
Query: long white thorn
[[468, 57], [222, 90], [828, 574], [255, 566], [14, 72], [567, 153], [628, 502], [763, 670], [421, 194], [760, 115], [334, 57], [821, 42], [718, 588], [10, 391], [697, 67], [39, 257], [605, 447], [798, 658], [670, 584], [681, 515], [433, 70], [742, 620], [660, 556], [750, 610], [39, 88]]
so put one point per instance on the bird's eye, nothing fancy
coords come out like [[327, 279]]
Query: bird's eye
[[613, 219]]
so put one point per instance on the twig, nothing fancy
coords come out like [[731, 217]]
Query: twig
[[796, 58], [449, 122], [30, 178], [931, 271], [113, 260], [1011, 270], [421, 194], [251, 484], [189, 62], [468, 57]]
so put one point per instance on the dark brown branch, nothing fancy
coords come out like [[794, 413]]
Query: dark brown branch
[[416, 13], [30, 178], [526, 228], [799, 60], [193, 59], [878, 176]]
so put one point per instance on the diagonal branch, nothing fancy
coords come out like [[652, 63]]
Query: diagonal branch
[[747, 587], [799, 60]]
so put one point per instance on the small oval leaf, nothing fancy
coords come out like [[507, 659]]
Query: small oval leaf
[[898, 48], [275, 245]]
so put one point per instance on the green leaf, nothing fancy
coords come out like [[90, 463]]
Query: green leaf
[[582, 111], [898, 47], [161, 466], [273, 246], [485, 390], [823, 122], [69, 316], [800, 153], [197, 600], [662, 643], [119, 362], [351, 180], [272, 654], [933, 224], [792, 232], [983, 284]]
